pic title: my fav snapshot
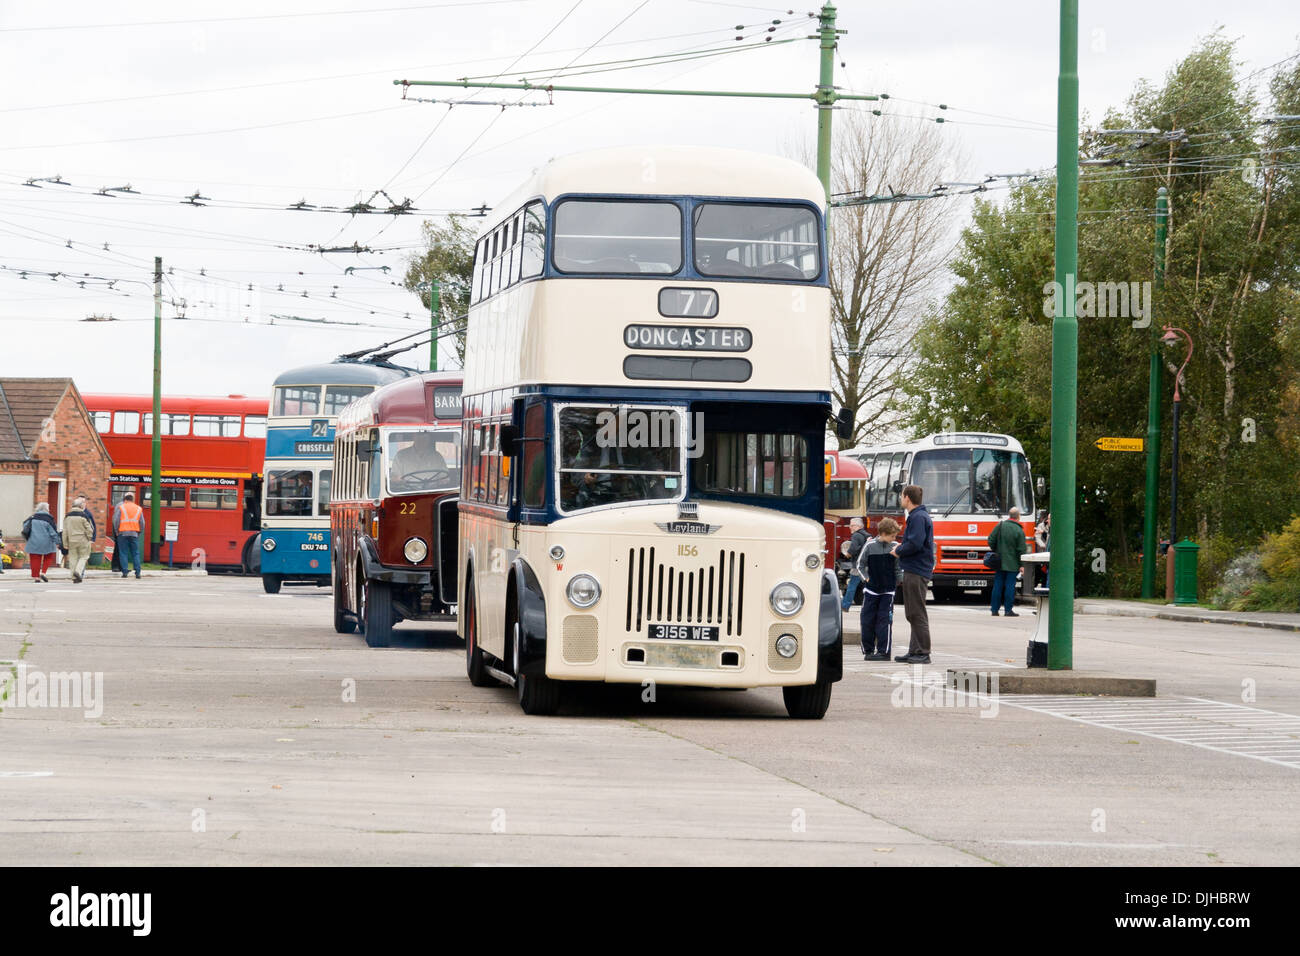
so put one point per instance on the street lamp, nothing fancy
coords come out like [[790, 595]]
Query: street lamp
[[1171, 338]]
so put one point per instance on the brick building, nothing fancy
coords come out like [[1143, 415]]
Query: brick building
[[49, 451]]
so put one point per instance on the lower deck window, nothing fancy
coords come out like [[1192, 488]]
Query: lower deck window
[[288, 493], [751, 463], [224, 499]]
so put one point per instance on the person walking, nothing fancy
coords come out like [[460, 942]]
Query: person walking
[[79, 534], [42, 536], [1007, 539], [916, 557], [128, 523], [881, 575], [852, 548]]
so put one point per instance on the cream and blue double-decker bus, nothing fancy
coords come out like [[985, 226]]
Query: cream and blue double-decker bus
[[646, 398]]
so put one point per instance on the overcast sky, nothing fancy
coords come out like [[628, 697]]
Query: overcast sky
[[256, 106]]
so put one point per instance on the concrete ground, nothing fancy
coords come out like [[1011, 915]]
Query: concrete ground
[[239, 728]]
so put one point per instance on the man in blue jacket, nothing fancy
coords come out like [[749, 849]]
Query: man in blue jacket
[[916, 558]]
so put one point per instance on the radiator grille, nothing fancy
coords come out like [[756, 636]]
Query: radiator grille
[[973, 553], [580, 639], [774, 660], [701, 592]]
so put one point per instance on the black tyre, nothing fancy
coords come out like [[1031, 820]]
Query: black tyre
[[945, 595], [538, 695], [475, 661], [271, 583], [808, 702], [376, 614], [343, 622]]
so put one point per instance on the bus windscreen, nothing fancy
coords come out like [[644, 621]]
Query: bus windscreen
[[974, 481], [619, 455], [422, 460]]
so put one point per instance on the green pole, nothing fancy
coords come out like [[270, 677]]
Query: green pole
[[826, 97], [1065, 347], [155, 477], [1152, 502], [435, 304]]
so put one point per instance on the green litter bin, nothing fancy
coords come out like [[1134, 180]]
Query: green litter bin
[[1185, 571]]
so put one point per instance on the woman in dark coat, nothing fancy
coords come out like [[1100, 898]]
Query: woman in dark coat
[[42, 536]]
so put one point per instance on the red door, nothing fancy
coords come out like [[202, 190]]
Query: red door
[[52, 497]]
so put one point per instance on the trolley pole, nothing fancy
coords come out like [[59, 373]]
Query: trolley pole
[[155, 478], [824, 96], [1065, 348], [1152, 502], [435, 306]]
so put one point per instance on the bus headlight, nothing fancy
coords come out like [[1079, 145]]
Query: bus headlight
[[415, 549], [583, 591], [268, 544], [813, 562], [786, 599], [787, 646]]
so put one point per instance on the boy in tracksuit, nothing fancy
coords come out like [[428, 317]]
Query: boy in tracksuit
[[881, 574]]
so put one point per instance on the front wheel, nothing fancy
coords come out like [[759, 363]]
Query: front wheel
[[539, 695], [271, 583], [808, 702], [377, 614]]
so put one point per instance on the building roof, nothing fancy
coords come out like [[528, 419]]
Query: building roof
[[25, 405], [28, 403]]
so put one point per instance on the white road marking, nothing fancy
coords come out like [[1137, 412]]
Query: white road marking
[[26, 773], [1101, 845], [1234, 729]]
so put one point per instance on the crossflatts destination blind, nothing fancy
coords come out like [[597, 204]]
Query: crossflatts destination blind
[[687, 338]]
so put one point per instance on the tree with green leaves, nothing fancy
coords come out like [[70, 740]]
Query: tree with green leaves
[[1230, 282], [448, 260]]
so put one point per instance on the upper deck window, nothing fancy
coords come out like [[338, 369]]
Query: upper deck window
[[613, 237], [217, 426], [750, 240], [170, 424], [296, 400], [103, 422], [126, 423], [337, 396], [255, 426]]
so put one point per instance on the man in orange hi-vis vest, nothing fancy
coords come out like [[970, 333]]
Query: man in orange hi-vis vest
[[128, 525]]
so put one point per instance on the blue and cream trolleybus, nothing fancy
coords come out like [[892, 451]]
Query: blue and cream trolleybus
[[646, 400], [305, 402]]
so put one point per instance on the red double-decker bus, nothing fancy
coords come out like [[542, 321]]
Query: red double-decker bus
[[212, 454]]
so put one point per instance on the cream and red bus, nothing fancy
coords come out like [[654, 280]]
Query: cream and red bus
[[969, 482], [393, 521], [647, 389]]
